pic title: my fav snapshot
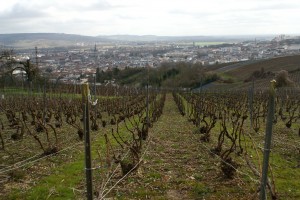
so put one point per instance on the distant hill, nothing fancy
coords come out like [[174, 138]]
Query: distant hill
[[48, 36], [152, 38], [29, 40], [24, 40]]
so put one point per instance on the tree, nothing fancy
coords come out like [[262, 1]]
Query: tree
[[9, 64], [28, 67]]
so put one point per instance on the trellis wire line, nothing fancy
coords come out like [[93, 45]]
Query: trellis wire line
[[16, 142], [276, 142], [3, 169], [288, 141], [243, 173], [17, 167], [7, 144], [240, 172], [3, 180], [141, 159], [34, 161], [9, 166], [115, 170]]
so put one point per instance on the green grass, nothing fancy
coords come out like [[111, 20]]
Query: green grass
[[225, 76], [208, 43], [58, 185], [284, 175], [61, 182], [200, 190], [154, 175]]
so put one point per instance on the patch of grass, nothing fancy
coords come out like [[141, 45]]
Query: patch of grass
[[61, 183], [200, 190], [158, 161], [284, 174], [154, 175], [17, 175], [198, 177], [175, 146], [14, 195], [142, 193], [227, 78]]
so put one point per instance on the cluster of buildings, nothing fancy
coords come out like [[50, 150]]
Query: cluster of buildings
[[80, 62]]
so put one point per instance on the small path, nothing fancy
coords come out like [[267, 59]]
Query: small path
[[172, 165], [177, 166]]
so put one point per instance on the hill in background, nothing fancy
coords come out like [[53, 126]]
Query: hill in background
[[47, 40]]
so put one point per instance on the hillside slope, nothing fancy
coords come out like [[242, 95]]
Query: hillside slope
[[289, 63], [241, 75]]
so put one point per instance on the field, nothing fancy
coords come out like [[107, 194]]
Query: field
[[202, 43], [208, 43], [195, 146]]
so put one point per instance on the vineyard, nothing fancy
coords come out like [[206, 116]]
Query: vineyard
[[156, 145]]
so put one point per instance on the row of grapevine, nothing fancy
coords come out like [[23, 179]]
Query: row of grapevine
[[232, 124], [34, 127]]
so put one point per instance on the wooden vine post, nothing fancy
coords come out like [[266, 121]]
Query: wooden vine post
[[268, 139], [87, 140]]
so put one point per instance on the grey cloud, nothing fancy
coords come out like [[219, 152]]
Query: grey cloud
[[19, 11], [262, 6], [23, 18], [44, 25], [17, 26]]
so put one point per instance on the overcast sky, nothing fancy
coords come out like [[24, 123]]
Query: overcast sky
[[151, 17]]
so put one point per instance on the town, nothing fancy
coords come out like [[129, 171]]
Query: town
[[79, 63]]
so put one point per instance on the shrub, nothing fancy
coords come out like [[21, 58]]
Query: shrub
[[283, 80]]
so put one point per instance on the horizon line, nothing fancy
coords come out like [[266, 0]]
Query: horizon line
[[144, 35]]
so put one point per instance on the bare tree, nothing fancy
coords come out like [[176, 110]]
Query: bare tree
[[8, 64]]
